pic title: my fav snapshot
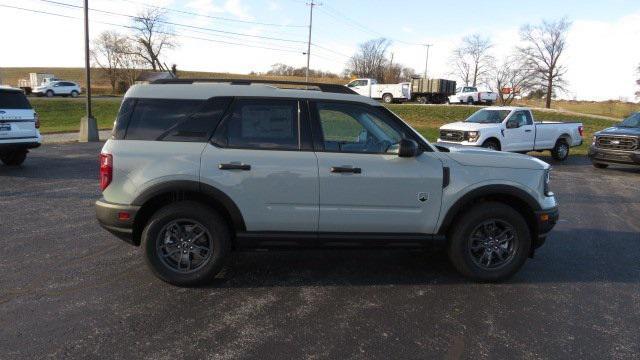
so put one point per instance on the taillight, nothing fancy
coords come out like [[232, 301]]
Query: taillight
[[581, 130], [106, 170], [37, 118]]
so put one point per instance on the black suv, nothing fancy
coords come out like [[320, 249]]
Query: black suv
[[618, 144]]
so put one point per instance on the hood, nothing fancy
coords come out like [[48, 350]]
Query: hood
[[497, 159], [467, 126], [618, 130]]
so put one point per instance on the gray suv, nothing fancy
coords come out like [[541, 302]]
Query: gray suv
[[196, 169]]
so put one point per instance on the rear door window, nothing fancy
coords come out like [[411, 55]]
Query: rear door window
[[13, 100], [261, 124]]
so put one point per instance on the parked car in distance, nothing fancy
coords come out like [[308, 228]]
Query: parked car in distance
[[388, 93], [18, 127], [196, 169], [470, 95], [58, 88], [619, 144], [513, 129]]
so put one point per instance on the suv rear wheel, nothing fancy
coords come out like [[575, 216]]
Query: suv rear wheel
[[14, 158], [186, 243], [490, 242]]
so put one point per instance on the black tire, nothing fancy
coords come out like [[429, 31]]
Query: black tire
[[49, 93], [154, 238], [74, 94], [600, 165], [491, 144], [387, 98], [470, 101], [422, 99], [560, 151], [461, 249], [14, 158]]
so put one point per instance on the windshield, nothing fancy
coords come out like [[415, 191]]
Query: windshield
[[631, 121], [488, 116]]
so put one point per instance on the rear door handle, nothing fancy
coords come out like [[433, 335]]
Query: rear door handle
[[233, 166], [528, 130], [346, 169]]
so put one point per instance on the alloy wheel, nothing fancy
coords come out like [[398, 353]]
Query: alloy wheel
[[493, 244], [184, 246]]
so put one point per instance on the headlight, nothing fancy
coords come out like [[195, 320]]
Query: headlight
[[473, 136], [593, 141], [547, 181]]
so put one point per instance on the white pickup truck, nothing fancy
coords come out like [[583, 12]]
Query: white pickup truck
[[470, 95], [388, 93], [513, 129]]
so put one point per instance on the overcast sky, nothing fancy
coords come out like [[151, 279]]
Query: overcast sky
[[602, 56]]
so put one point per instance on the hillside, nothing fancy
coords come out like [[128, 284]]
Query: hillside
[[100, 84]]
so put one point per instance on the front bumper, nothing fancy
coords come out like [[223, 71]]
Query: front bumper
[[118, 219], [546, 220], [614, 157]]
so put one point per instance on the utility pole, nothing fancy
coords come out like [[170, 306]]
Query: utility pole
[[426, 63], [311, 5], [88, 124]]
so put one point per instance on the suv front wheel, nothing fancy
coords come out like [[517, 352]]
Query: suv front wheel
[[186, 243], [489, 242]]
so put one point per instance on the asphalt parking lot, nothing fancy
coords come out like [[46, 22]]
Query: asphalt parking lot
[[69, 289]]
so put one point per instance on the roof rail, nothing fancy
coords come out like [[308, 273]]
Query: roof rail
[[330, 88]]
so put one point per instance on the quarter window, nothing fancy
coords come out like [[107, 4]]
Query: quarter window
[[262, 124], [151, 118]]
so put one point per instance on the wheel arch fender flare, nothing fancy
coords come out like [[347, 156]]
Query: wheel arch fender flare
[[500, 191], [209, 194]]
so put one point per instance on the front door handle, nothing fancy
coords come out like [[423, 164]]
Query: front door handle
[[345, 169], [234, 166], [528, 130]]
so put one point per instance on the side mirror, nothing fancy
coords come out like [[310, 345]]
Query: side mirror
[[407, 148], [513, 124]]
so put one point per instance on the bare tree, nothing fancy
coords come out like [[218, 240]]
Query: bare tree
[[152, 37], [510, 78], [472, 60], [544, 45], [107, 53], [370, 60]]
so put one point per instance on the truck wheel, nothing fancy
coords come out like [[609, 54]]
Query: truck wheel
[[469, 100], [74, 94], [422, 99], [49, 93], [186, 243], [560, 151], [387, 98], [14, 158], [600, 165], [489, 242], [491, 144]]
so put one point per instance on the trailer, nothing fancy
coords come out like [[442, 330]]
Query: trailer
[[431, 91], [35, 80]]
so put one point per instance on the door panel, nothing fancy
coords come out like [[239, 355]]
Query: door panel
[[278, 193], [384, 197]]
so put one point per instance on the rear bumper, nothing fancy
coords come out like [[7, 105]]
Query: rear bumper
[[12, 146], [111, 217]]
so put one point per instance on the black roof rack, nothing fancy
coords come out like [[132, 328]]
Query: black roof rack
[[330, 88]]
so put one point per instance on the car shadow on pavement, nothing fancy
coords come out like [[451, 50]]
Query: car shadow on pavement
[[575, 256], [59, 167]]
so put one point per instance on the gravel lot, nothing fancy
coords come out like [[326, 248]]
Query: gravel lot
[[69, 289]]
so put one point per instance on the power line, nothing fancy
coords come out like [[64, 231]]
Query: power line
[[213, 17], [159, 32], [57, 3]]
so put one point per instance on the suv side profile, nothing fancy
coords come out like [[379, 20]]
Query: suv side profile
[[58, 88], [197, 169]]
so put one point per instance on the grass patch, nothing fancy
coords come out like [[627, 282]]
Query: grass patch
[[61, 114]]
